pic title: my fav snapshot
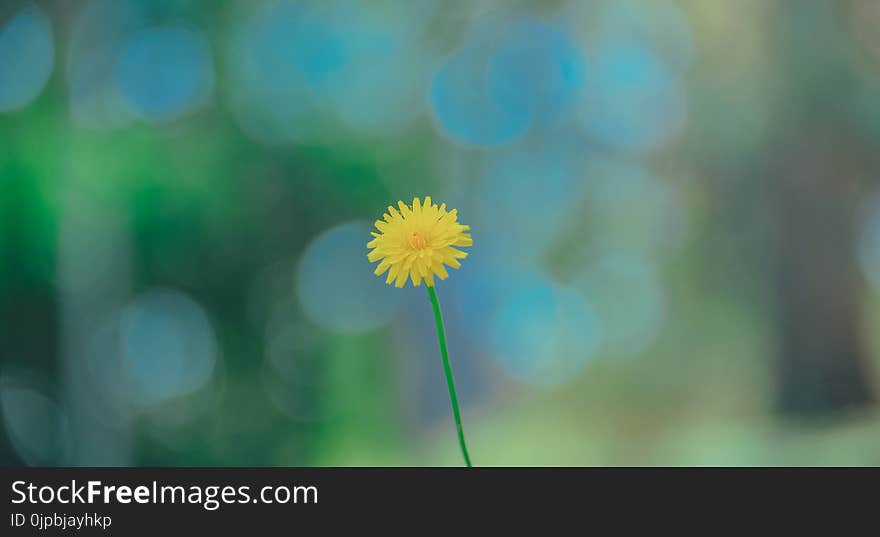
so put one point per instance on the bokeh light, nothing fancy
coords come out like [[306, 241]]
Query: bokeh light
[[34, 423], [528, 197], [165, 71], [26, 57], [506, 77], [336, 286], [634, 101], [481, 291], [544, 64], [379, 89], [168, 344], [293, 64], [544, 335], [465, 110], [267, 88]]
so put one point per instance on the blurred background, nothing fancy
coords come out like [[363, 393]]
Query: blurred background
[[675, 208]]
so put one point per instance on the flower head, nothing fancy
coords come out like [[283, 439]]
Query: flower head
[[416, 241]]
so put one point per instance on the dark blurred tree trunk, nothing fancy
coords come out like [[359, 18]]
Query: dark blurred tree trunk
[[814, 181], [822, 362]]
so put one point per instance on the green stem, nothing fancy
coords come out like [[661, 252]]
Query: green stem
[[450, 382]]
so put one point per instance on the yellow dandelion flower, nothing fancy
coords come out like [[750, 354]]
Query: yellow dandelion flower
[[416, 242]]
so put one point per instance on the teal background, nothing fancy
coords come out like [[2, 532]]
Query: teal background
[[674, 205]]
